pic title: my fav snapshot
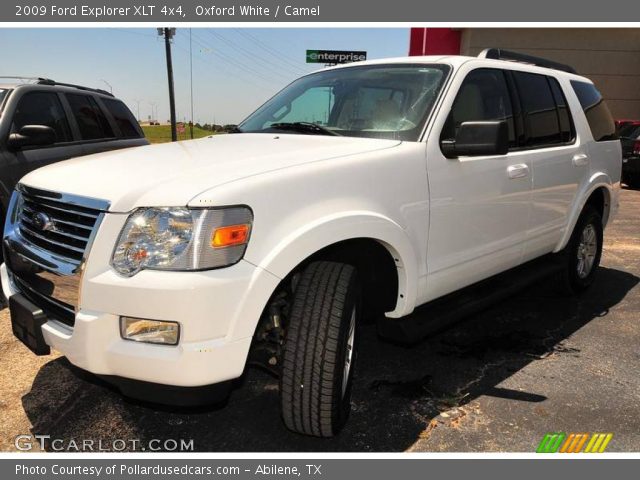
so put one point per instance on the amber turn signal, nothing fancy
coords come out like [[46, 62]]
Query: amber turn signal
[[229, 236]]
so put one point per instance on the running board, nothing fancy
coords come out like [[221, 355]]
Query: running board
[[443, 312]]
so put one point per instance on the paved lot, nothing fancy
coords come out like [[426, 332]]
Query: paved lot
[[496, 382]]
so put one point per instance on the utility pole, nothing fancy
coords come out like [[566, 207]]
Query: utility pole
[[168, 33], [153, 111], [191, 80]]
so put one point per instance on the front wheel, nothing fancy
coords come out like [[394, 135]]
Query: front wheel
[[320, 350], [581, 256]]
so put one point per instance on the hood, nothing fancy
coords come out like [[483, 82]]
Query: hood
[[171, 174]]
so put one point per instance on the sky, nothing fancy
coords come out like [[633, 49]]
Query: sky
[[234, 70]]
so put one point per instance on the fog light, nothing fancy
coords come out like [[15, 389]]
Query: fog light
[[149, 331]]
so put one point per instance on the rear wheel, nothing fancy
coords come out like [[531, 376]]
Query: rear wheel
[[320, 350], [581, 256]]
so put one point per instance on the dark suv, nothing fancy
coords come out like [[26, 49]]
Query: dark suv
[[43, 121], [630, 138]]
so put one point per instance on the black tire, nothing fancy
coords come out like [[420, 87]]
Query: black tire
[[314, 400], [573, 278]]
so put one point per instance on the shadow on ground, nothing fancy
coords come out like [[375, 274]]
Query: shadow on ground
[[398, 390]]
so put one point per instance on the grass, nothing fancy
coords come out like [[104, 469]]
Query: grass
[[162, 133]]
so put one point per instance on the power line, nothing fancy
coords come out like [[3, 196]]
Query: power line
[[149, 35], [253, 57], [218, 68], [242, 65], [238, 64], [276, 54]]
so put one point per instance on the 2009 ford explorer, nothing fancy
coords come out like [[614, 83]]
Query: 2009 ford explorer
[[375, 187]]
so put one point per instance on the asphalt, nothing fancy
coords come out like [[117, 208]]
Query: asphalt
[[498, 381]]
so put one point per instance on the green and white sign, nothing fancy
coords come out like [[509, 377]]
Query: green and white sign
[[335, 56]]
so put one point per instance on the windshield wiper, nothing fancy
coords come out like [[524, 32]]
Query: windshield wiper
[[304, 127]]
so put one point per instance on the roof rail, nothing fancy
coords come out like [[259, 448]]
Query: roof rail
[[500, 54], [20, 77], [48, 81]]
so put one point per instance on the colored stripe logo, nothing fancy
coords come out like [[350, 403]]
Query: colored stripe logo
[[560, 442]]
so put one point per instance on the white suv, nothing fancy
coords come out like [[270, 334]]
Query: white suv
[[374, 187]]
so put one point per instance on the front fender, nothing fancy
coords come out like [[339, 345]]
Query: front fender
[[294, 247], [597, 180]]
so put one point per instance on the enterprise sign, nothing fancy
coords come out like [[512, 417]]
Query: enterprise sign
[[335, 56]]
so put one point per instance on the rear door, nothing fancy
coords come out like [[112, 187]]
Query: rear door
[[97, 129], [558, 162]]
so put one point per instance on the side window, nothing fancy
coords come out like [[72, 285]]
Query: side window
[[541, 122], [567, 129], [91, 121], [42, 108], [123, 117], [598, 115], [483, 96]]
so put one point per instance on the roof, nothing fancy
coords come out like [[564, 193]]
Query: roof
[[48, 83], [456, 61]]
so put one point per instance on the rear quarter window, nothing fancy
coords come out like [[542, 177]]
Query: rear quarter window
[[599, 117], [123, 118]]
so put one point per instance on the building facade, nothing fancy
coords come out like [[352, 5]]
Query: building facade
[[608, 56]]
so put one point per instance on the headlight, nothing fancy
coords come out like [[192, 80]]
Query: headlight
[[182, 239]]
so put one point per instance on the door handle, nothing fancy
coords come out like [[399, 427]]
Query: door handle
[[580, 159], [518, 171]]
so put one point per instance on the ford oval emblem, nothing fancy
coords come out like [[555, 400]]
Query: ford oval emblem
[[42, 221]]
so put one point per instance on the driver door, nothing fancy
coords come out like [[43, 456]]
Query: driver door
[[479, 206], [40, 108]]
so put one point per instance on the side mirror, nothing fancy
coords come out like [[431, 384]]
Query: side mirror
[[475, 139], [32, 135]]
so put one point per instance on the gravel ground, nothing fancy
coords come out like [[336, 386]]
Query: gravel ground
[[496, 382]]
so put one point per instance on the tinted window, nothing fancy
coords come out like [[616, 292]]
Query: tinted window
[[567, 129], [123, 117], [598, 115], [91, 121], [483, 96], [541, 123], [630, 131], [42, 108]]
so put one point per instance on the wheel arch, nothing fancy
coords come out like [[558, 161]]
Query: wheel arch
[[350, 237], [598, 193]]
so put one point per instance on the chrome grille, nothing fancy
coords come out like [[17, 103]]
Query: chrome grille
[[46, 241], [66, 229]]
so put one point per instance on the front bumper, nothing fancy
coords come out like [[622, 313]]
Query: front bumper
[[209, 351], [217, 310]]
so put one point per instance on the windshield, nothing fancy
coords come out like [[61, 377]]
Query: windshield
[[377, 101], [630, 131]]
